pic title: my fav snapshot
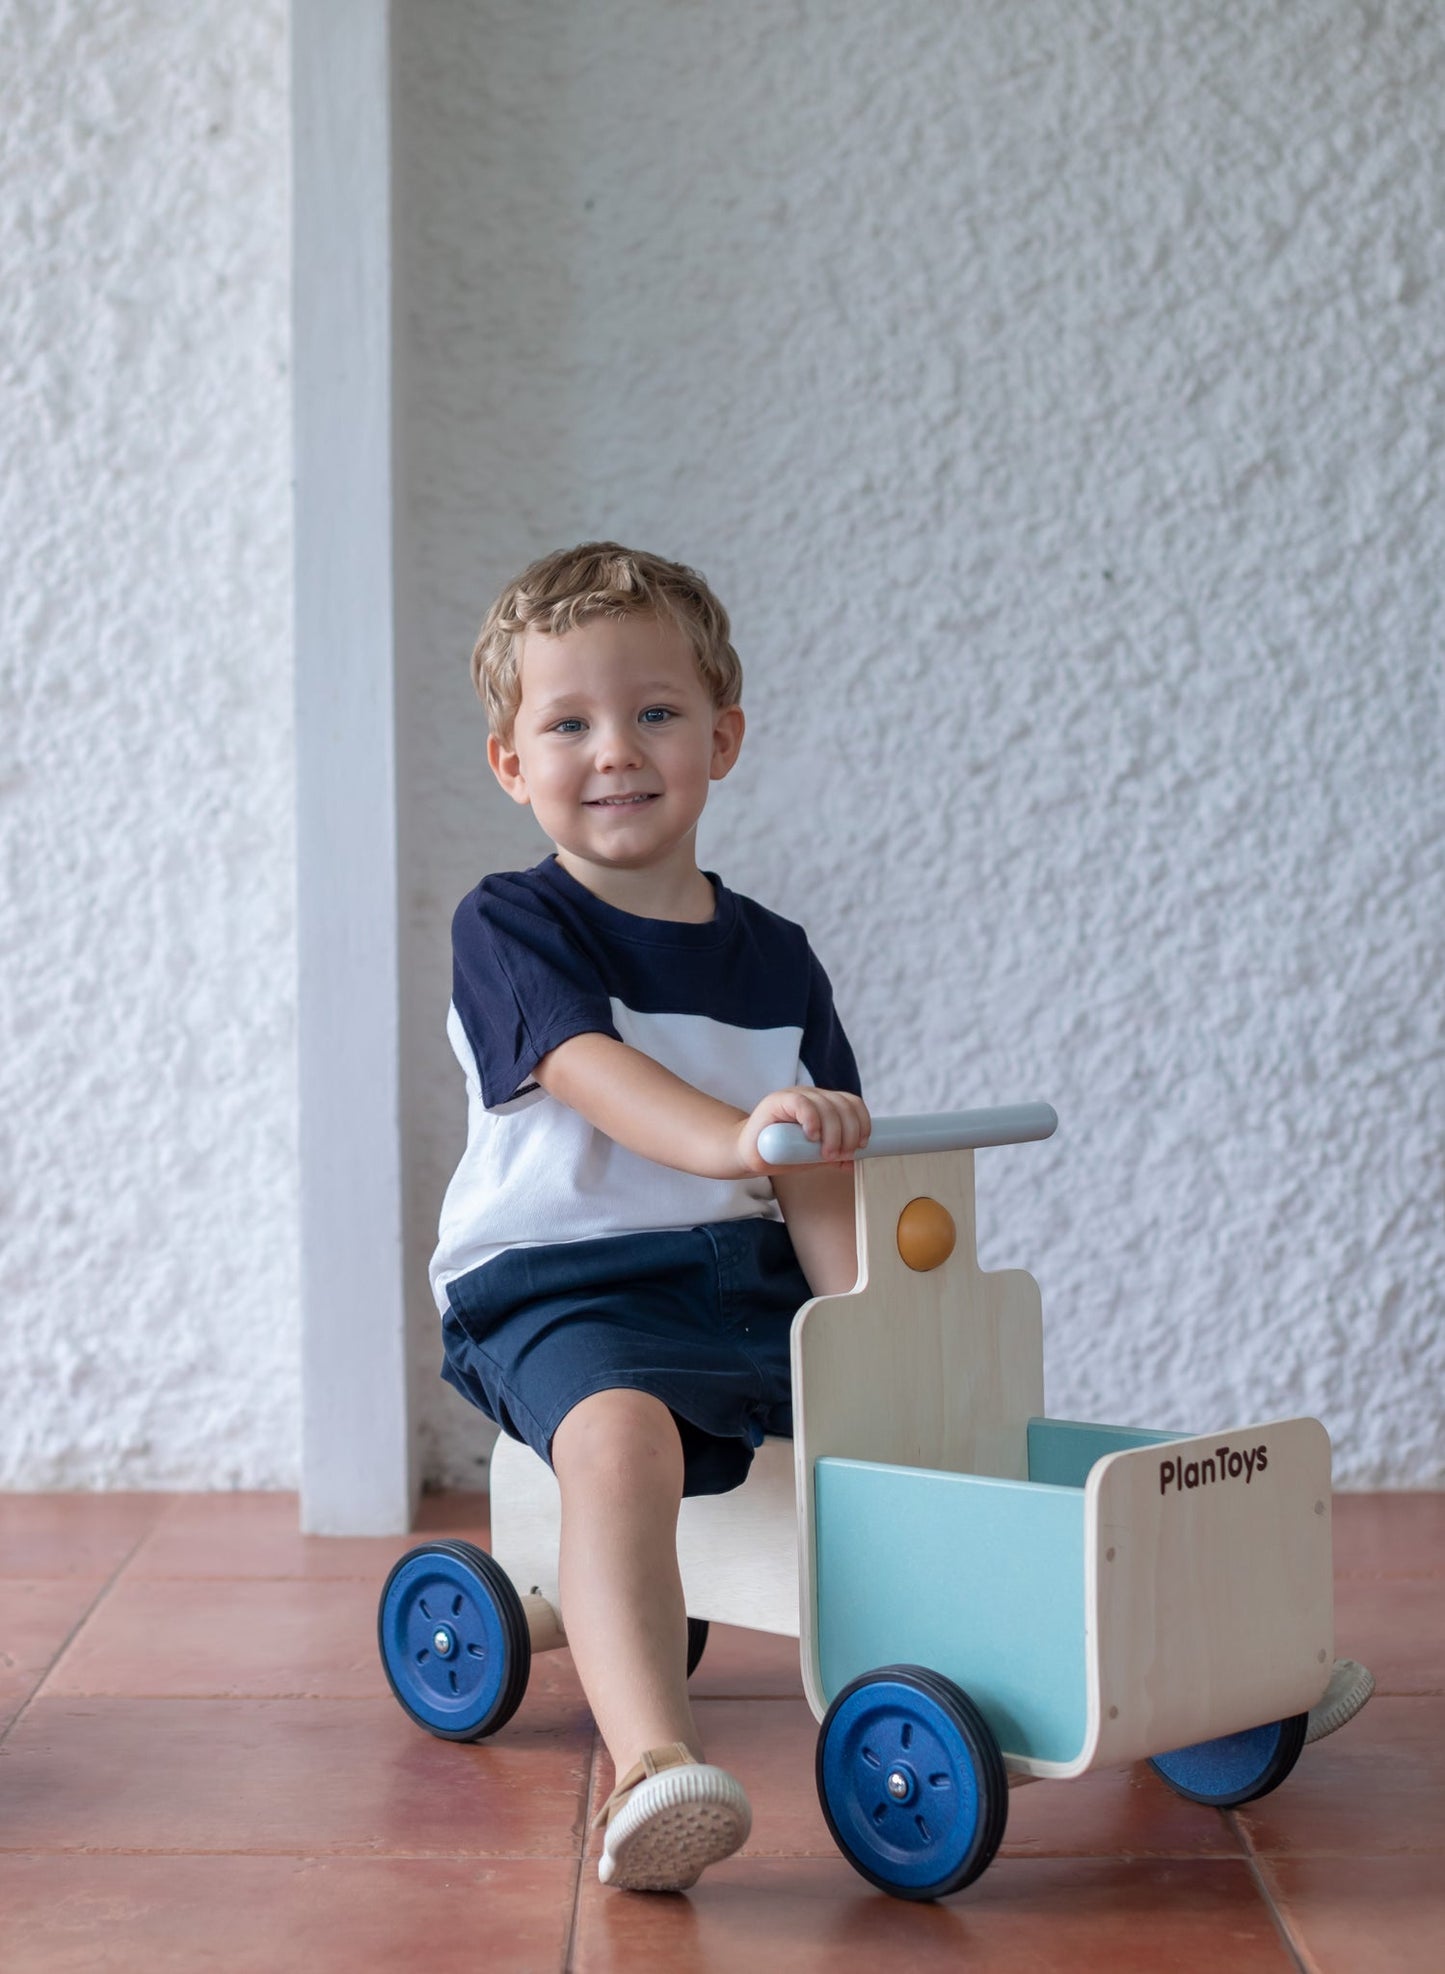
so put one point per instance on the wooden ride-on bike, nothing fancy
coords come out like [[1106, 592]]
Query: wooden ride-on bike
[[981, 1594]]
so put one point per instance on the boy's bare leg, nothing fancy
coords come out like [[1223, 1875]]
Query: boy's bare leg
[[618, 1461]]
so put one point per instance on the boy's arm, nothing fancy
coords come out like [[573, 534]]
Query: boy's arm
[[659, 1116], [656, 1114], [644, 1106], [821, 1214]]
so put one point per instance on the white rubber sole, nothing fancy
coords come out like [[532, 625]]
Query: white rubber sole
[[1351, 1684], [672, 1827]]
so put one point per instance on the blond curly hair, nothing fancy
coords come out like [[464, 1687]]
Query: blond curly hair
[[598, 579]]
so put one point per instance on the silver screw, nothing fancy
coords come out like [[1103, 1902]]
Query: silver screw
[[897, 1784], [442, 1640]]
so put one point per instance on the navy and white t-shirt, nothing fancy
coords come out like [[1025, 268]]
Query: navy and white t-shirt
[[737, 1007]]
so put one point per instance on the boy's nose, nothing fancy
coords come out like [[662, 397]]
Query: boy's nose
[[617, 748]]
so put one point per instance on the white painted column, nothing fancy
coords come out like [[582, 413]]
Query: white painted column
[[358, 1467]]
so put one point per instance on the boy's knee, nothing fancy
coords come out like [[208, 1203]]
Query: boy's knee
[[618, 1437]]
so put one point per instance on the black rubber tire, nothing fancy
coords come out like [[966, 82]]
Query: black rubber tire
[[990, 1775], [494, 1583], [696, 1643]]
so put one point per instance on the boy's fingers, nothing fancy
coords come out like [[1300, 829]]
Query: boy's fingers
[[836, 1121], [850, 1121], [831, 1120], [805, 1110]]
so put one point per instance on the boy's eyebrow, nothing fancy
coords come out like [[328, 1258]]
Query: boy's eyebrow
[[580, 692]]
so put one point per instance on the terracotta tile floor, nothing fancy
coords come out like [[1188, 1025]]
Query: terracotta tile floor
[[202, 1768]]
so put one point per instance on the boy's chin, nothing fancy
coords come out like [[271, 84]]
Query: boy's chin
[[614, 859], [620, 856], [626, 846]]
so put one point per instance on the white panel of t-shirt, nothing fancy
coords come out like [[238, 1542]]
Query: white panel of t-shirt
[[552, 1176]]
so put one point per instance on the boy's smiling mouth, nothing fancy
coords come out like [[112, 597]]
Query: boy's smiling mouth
[[619, 801]]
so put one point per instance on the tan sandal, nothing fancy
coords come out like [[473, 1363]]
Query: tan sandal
[[669, 1818]]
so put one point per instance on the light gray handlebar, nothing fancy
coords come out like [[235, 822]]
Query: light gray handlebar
[[945, 1130]]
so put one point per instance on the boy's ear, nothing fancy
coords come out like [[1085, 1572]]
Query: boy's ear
[[727, 739], [506, 765]]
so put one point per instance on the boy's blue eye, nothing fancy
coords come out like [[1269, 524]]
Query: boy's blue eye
[[562, 725], [662, 712]]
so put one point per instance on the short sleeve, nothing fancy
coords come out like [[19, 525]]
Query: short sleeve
[[825, 1057], [520, 985]]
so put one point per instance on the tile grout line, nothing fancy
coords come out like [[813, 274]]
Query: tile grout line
[[69, 1638], [570, 1948], [1427, 1575], [359, 1852], [1261, 1885]]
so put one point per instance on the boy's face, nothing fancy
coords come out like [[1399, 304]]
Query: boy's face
[[616, 741]]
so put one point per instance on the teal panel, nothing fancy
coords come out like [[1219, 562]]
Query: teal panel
[[1061, 1451], [979, 1579]]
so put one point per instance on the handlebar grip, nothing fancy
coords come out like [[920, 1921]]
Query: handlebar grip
[[947, 1130]]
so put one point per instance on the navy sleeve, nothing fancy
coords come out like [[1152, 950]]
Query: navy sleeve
[[824, 1051], [520, 985]]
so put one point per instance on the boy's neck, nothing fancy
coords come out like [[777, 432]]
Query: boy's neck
[[675, 889]]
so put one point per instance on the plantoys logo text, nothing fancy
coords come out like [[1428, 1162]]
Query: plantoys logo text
[[1223, 1464]]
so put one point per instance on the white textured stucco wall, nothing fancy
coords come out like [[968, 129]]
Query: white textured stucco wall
[[148, 1304], [1054, 395]]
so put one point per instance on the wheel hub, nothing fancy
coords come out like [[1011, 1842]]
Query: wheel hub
[[443, 1642], [901, 1784]]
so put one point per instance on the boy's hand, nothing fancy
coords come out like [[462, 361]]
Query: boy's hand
[[835, 1120]]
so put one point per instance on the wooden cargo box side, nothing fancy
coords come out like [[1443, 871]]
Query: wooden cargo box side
[[1208, 1586]]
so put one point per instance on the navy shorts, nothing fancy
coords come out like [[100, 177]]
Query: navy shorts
[[699, 1316]]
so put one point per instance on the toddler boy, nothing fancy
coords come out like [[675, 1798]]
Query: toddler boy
[[617, 1267]]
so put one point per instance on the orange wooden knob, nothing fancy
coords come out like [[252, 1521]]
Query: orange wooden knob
[[926, 1233]]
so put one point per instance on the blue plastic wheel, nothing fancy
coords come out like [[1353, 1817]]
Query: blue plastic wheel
[[454, 1641], [1237, 1767], [911, 1782]]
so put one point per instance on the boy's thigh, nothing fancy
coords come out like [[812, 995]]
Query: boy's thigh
[[694, 1320]]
